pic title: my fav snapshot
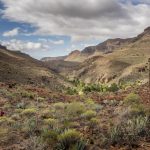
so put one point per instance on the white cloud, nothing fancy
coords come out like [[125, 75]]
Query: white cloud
[[11, 33], [59, 42], [22, 45], [80, 19], [49, 41]]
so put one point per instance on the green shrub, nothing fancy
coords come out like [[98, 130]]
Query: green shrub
[[138, 125], [30, 126], [3, 133], [6, 121], [35, 143], [59, 105], [26, 94], [69, 138], [71, 91], [50, 136], [113, 88], [132, 99], [137, 109], [81, 145], [75, 108], [40, 99], [116, 135], [90, 102], [89, 114], [50, 122], [29, 112], [94, 122], [45, 114], [129, 132], [93, 87]]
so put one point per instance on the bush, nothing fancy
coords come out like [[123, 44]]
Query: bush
[[89, 114], [116, 135], [75, 108], [59, 105], [3, 133], [50, 122], [137, 109], [132, 99], [71, 91], [40, 99], [94, 122], [31, 125], [6, 121], [29, 112], [129, 132], [113, 88], [90, 102], [50, 136], [26, 94], [69, 138], [45, 114], [35, 143], [93, 87]]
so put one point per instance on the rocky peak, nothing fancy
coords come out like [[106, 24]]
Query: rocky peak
[[147, 30], [74, 52], [2, 47]]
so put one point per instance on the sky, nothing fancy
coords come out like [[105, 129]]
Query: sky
[[48, 28]]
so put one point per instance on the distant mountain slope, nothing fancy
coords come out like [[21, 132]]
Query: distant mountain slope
[[105, 47], [53, 58], [21, 68], [73, 56], [128, 61], [111, 61]]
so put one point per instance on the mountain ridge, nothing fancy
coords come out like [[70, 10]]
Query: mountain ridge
[[20, 68], [109, 61]]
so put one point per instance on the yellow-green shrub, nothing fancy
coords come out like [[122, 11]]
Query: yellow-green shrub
[[50, 122], [29, 112], [94, 121], [89, 114], [6, 120], [132, 99], [26, 94], [50, 136], [75, 108], [69, 137], [59, 105], [46, 113]]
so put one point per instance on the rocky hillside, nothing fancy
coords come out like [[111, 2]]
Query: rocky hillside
[[20, 68], [111, 61]]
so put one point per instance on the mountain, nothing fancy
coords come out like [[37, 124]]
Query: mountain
[[73, 56], [53, 58], [114, 60], [105, 47], [21, 68]]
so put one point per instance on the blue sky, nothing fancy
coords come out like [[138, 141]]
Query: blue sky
[[56, 27]]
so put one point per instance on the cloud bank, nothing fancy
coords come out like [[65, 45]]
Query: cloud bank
[[27, 46], [80, 19], [11, 33]]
